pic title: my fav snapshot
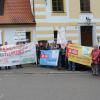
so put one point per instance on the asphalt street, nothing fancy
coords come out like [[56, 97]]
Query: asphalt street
[[48, 84]]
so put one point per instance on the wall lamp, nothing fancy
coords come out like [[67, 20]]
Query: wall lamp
[[88, 20]]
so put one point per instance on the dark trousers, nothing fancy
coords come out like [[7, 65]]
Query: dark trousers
[[95, 69], [63, 61], [19, 66]]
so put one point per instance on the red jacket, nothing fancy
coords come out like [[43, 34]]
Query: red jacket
[[95, 56]]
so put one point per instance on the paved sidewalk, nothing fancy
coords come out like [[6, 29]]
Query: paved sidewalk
[[36, 83], [32, 69]]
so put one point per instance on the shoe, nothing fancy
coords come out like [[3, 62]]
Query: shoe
[[9, 67], [20, 66], [17, 66]]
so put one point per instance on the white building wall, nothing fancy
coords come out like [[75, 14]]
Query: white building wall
[[9, 33], [47, 22]]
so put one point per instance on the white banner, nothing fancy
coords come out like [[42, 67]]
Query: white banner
[[61, 37], [17, 54]]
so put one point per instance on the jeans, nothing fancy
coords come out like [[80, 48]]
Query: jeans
[[71, 65]]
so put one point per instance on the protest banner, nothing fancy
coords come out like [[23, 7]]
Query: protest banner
[[49, 57], [17, 54], [79, 54]]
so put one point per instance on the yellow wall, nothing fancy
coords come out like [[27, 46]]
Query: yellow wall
[[74, 12], [95, 8], [74, 8], [39, 1]]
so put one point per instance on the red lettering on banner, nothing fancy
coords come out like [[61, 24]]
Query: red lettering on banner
[[46, 56], [69, 50], [73, 51], [43, 56]]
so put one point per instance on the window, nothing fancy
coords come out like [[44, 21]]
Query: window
[[57, 6], [1, 7], [85, 5], [28, 36]]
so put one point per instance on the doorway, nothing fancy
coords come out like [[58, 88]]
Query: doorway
[[86, 35]]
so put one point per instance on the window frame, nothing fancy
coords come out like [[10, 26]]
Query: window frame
[[86, 7], [2, 7], [57, 2]]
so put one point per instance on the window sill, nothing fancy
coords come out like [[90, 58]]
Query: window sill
[[86, 12], [58, 13]]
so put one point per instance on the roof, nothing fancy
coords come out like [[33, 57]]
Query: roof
[[17, 12]]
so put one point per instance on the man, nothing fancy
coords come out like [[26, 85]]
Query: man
[[7, 67], [19, 66], [71, 65], [95, 60]]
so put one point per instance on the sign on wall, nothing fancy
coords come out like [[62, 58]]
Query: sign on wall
[[19, 36]]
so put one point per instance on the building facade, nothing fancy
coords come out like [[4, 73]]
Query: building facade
[[17, 23], [79, 18]]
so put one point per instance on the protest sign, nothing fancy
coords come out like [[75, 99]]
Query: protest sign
[[79, 54], [49, 57], [17, 54]]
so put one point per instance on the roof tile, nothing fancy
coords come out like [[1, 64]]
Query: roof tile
[[17, 12]]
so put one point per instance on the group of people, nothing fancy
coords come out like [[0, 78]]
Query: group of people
[[64, 62]]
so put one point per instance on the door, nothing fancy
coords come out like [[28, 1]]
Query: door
[[86, 35], [28, 36]]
